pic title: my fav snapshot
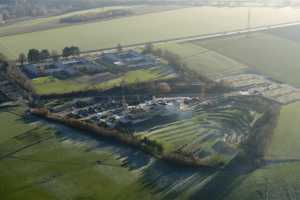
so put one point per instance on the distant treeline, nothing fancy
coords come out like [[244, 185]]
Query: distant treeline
[[14, 9], [110, 14]]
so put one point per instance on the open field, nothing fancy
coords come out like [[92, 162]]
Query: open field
[[55, 162], [279, 178], [55, 165], [279, 181], [285, 141], [265, 53], [44, 23], [204, 61], [17, 126], [51, 85], [136, 29], [290, 33]]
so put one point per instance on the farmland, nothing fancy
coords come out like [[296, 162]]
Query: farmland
[[135, 29], [161, 140], [204, 61], [279, 181], [45, 23], [264, 53], [284, 143], [279, 178], [37, 169], [53, 162]]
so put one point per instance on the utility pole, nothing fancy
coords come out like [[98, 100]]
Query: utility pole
[[249, 21]]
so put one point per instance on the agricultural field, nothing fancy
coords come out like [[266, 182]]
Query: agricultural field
[[278, 181], [204, 61], [52, 85], [290, 33], [35, 161], [279, 177], [136, 29], [284, 143], [44, 23], [263, 53], [44, 161]]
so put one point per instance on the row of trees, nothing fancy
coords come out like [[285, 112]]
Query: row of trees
[[71, 51], [173, 59], [35, 55], [176, 62], [15, 74]]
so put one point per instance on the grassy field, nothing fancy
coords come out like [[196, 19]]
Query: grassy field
[[285, 142], [18, 127], [137, 29], [290, 33], [46, 22], [43, 161], [279, 179], [265, 53], [204, 61], [54, 165], [277, 182], [51, 85]]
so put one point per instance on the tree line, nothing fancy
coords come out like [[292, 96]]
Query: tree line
[[176, 62], [35, 55]]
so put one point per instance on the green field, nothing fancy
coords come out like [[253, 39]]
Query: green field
[[279, 179], [43, 161], [46, 22], [137, 29], [277, 182], [285, 141], [204, 61], [57, 167], [265, 53], [51, 85]]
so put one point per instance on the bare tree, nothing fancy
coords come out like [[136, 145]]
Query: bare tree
[[119, 48], [22, 58]]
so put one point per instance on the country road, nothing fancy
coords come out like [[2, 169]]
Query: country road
[[196, 37]]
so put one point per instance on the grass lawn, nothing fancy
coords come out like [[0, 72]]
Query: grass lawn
[[266, 53], [50, 85], [67, 165], [138, 29], [285, 141], [290, 33], [11, 124], [276, 182], [279, 179], [204, 61], [60, 168], [47, 22]]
